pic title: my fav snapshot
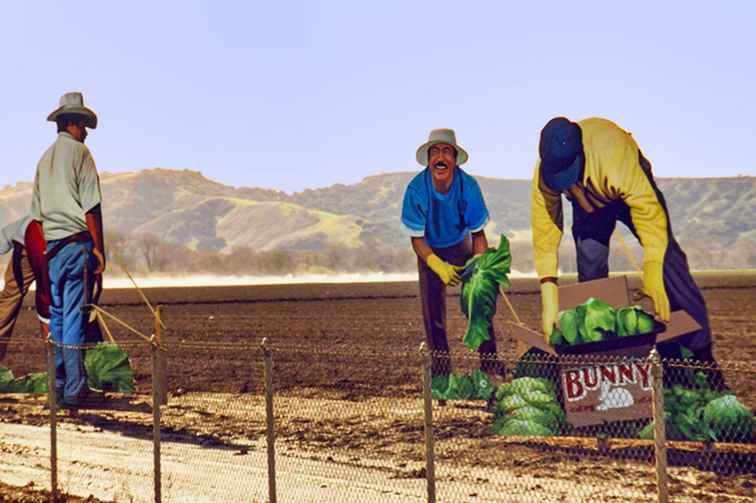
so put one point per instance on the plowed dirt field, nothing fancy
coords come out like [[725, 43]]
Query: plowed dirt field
[[347, 377]]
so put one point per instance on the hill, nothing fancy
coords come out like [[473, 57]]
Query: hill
[[714, 218]]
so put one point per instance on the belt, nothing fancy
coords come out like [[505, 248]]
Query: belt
[[81, 237]]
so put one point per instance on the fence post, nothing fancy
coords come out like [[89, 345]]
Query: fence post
[[270, 421], [52, 405], [660, 431], [161, 377], [430, 460], [157, 477]]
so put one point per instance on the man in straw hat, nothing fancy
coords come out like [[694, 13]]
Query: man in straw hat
[[600, 169], [444, 214], [66, 201], [28, 264]]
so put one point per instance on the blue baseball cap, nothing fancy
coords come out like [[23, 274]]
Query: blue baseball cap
[[561, 151]]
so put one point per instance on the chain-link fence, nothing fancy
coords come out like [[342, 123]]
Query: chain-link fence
[[340, 435], [243, 422], [212, 429]]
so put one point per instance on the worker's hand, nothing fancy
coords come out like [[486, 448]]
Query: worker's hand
[[550, 307], [448, 273], [653, 286], [100, 261], [44, 329]]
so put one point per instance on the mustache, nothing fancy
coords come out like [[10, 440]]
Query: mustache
[[440, 164]]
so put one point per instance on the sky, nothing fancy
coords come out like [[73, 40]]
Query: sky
[[294, 95]]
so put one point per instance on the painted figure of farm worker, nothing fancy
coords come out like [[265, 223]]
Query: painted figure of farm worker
[[27, 264], [444, 213], [600, 169], [66, 201]]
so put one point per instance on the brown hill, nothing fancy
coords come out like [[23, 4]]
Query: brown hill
[[714, 217]]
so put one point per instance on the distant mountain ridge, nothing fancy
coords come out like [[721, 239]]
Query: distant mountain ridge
[[186, 207]]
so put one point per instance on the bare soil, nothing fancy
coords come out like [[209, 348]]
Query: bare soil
[[347, 370]]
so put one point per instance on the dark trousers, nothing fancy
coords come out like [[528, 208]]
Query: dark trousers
[[18, 278], [592, 232], [433, 300]]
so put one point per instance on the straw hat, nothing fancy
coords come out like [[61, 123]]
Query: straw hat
[[73, 103], [440, 136]]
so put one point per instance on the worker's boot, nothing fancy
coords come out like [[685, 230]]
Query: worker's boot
[[90, 398], [58, 399]]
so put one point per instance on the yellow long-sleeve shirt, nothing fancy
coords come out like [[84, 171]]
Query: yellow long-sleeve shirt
[[612, 171]]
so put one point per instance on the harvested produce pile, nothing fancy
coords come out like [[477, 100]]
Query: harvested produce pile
[[474, 386], [480, 288], [107, 367], [528, 406], [703, 414], [596, 321], [30, 383]]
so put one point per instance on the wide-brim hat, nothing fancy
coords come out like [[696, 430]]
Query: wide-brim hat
[[561, 151], [441, 136], [73, 103]]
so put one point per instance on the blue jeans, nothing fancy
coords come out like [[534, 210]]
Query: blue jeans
[[69, 288]]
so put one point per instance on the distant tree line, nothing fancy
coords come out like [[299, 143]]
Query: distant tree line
[[148, 254]]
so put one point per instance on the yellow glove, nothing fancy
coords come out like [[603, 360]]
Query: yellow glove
[[653, 286], [448, 273], [550, 307]]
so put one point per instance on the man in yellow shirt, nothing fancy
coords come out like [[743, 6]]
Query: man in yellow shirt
[[602, 172]]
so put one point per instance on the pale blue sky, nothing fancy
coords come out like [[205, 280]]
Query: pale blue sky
[[292, 95]]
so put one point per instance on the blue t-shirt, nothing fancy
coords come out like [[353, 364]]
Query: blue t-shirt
[[443, 219]]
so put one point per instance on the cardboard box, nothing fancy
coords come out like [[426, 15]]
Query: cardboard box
[[609, 389]]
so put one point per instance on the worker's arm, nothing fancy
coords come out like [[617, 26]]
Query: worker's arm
[[546, 220], [94, 225], [421, 248], [476, 216], [479, 242], [650, 221], [90, 196], [546, 223], [34, 242]]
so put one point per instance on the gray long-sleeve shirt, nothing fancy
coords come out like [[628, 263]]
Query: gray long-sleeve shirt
[[13, 232]]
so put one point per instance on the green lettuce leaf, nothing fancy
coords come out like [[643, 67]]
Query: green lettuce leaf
[[728, 418], [627, 321], [484, 388], [6, 376], [599, 320], [517, 427], [538, 415], [507, 404], [568, 324], [439, 386], [108, 369], [28, 384], [523, 385], [460, 388], [480, 291], [645, 322], [556, 338]]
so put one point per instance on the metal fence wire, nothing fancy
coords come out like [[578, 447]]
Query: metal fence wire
[[340, 436], [212, 430], [249, 422]]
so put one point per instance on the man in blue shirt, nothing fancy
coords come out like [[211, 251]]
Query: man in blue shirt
[[445, 214]]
